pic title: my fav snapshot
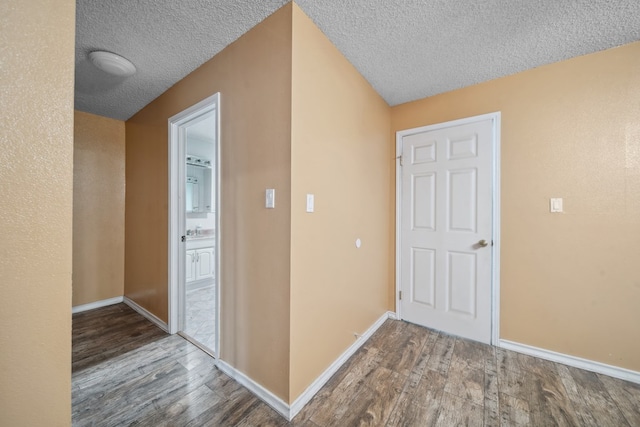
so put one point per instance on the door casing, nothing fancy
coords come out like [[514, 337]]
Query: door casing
[[495, 255], [176, 229]]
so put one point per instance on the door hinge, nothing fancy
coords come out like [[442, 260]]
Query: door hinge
[[400, 295]]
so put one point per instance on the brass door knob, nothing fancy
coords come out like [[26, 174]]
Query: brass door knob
[[483, 243]]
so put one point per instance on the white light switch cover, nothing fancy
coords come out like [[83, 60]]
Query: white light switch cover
[[555, 205], [270, 198], [310, 202]]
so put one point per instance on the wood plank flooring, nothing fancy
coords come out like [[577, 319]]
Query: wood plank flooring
[[127, 372]]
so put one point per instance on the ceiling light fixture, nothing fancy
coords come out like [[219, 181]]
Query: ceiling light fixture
[[112, 63]]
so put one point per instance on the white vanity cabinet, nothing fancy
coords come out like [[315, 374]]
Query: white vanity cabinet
[[200, 260], [190, 270], [204, 264]]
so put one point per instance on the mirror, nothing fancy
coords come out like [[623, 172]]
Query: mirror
[[192, 195], [199, 191]]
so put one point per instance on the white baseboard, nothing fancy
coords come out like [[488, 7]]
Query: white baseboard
[[144, 312], [319, 382], [280, 406], [96, 304], [576, 362], [262, 393]]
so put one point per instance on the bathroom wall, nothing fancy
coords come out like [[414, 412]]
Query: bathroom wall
[[203, 220]]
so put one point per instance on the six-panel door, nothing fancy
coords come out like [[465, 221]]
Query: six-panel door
[[446, 229]]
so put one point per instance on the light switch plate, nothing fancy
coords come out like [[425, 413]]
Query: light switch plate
[[270, 198], [555, 205], [310, 202]]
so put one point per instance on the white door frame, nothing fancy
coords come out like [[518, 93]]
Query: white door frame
[[495, 223], [177, 150]]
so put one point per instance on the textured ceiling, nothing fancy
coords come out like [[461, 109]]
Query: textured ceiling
[[410, 49], [406, 49], [165, 40]]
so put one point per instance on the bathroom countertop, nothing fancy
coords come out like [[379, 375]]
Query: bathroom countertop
[[200, 242], [204, 233], [201, 236]]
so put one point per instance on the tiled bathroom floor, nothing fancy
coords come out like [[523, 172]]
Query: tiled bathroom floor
[[200, 316]]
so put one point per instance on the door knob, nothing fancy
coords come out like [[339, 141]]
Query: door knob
[[483, 243]]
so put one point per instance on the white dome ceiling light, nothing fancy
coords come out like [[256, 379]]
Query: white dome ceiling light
[[112, 63]]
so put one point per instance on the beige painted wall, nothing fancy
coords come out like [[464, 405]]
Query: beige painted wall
[[98, 208], [340, 152], [569, 282], [36, 166], [253, 76]]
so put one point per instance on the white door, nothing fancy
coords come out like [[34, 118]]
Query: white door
[[446, 227]]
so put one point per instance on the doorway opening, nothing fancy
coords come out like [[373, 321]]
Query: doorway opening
[[194, 224]]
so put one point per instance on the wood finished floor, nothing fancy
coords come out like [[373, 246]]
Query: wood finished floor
[[127, 372]]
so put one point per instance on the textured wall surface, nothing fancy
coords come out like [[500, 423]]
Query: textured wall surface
[[36, 166], [253, 76], [569, 282], [98, 208], [340, 152]]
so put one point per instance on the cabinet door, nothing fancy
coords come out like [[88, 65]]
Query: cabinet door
[[204, 264], [190, 266]]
